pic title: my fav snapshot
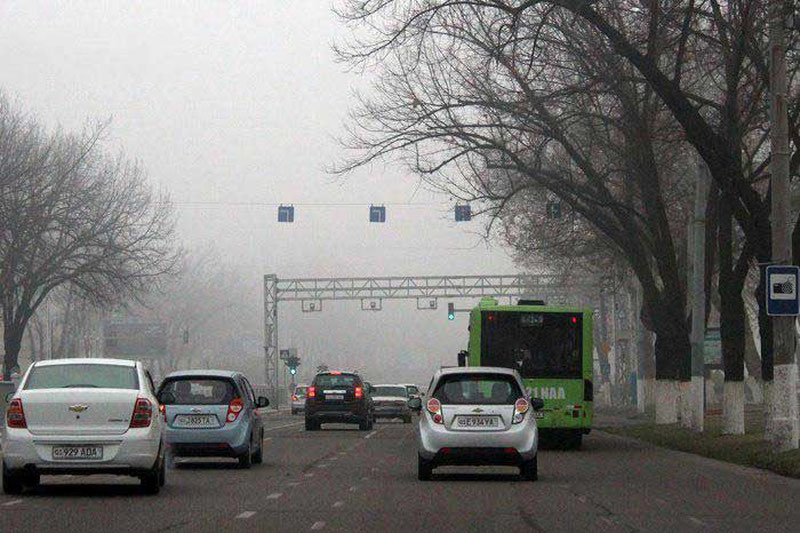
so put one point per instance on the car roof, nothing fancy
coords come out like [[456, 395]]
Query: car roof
[[477, 370], [399, 385], [86, 360], [203, 373]]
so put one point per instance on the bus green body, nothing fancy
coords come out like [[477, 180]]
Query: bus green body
[[551, 347]]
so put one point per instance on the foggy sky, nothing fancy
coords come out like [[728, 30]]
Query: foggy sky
[[239, 102]]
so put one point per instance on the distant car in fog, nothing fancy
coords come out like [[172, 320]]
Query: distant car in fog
[[391, 401], [413, 390], [339, 397], [299, 399], [212, 413]]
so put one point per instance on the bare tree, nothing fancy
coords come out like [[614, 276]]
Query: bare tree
[[73, 216]]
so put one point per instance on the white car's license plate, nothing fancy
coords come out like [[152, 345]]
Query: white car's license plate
[[196, 421], [78, 453], [334, 397], [478, 422], [538, 414]]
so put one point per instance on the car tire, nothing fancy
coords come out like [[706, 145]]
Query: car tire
[[364, 424], [573, 441], [529, 470], [246, 459], [162, 472], [311, 425], [424, 469], [12, 483], [258, 458], [151, 481], [294, 413], [407, 419]]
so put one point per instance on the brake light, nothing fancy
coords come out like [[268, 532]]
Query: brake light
[[142, 413], [311, 392], [434, 407], [359, 392], [234, 408], [15, 416], [294, 397], [163, 410], [336, 373], [521, 407]]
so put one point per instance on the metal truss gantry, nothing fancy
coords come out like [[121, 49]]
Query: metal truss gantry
[[311, 292]]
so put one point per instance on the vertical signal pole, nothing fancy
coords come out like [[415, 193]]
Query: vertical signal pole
[[697, 411], [785, 436], [271, 374]]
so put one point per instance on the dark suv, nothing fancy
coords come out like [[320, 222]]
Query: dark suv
[[341, 397]]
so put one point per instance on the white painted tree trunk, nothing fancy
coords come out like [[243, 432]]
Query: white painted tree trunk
[[685, 403], [650, 394], [769, 415], [786, 430], [733, 408], [666, 401], [697, 403]]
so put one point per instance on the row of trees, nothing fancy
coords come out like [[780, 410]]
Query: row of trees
[[605, 106], [79, 225]]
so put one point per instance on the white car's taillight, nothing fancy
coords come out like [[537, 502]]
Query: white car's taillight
[[142, 413], [521, 407], [234, 408], [434, 407], [15, 416]]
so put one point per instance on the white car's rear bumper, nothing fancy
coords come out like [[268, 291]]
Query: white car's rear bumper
[[134, 451]]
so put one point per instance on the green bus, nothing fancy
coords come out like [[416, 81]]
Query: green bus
[[551, 348]]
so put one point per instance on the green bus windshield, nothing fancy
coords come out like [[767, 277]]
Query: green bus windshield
[[538, 345]]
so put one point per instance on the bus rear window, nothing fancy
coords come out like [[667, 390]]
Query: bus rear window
[[538, 345]]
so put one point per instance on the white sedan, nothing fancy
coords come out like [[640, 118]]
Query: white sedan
[[80, 417]]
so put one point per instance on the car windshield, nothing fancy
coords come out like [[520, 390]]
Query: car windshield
[[477, 389], [336, 380], [389, 391], [90, 375], [197, 391]]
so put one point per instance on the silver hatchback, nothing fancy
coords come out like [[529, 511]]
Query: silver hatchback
[[477, 416]]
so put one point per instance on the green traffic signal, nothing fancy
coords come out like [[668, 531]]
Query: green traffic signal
[[293, 371], [451, 311]]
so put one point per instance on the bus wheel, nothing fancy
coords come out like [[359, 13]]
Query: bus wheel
[[574, 440]]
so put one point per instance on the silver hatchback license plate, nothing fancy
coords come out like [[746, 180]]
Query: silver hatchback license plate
[[478, 422], [78, 453], [196, 421]]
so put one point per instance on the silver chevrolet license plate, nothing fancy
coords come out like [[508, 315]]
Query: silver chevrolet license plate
[[78, 453], [478, 422], [196, 421]]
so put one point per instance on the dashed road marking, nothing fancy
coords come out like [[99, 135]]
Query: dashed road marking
[[317, 526], [284, 426], [293, 484], [274, 495], [308, 475], [353, 488], [245, 515], [322, 465], [338, 504], [267, 438], [365, 478], [371, 434], [343, 453], [697, 521], [12, 502]]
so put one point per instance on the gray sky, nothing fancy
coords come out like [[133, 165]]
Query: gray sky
[[239, 102]]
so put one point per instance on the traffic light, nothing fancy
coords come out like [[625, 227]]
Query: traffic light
[[292, 370], [451, 311], [293, 362]]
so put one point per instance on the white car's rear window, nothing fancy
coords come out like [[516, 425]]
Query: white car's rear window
[[94, 376], [480, 389]]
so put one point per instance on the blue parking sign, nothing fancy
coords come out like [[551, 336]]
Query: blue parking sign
[[782, 293]]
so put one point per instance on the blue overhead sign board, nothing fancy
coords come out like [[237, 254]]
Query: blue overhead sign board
[[782, 293]]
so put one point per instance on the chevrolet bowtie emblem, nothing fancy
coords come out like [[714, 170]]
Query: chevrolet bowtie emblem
[[477, 410], [78, 408]]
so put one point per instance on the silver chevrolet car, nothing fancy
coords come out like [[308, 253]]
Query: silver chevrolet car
[[477, 416]]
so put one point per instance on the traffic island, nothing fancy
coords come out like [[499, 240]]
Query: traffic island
[[750, 449]]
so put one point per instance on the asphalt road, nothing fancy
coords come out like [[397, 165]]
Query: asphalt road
[[342, 479]]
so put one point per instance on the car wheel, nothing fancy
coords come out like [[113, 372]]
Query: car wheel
[[424, 469], [246, 459], [363, 425], [407, 419], [258, 458], [294, 412], [162, 472], [530, 469], [151, 481], [12, 483], [311, 425]]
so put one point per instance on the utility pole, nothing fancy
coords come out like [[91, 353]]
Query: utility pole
[[784, 399], [698, 292]]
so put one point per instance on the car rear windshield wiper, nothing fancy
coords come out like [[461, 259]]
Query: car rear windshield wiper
[[80, 385]]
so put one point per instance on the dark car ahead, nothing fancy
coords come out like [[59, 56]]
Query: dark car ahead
[[338, 397]]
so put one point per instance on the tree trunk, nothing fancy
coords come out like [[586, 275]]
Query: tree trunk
[[673, 360], [767, 361], [12, 342]]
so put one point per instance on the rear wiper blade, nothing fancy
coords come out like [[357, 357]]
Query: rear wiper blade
[[81, 386]]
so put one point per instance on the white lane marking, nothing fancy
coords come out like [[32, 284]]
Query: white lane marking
[[338, 504], [309, 475], [353, 488], [697, 521], [371, 434], [284, 426], [12, 502], [342, 453], [245, 515], [267, 438], [317, 526], [365, 478], [322, 465], [293, 484], [274, 495]]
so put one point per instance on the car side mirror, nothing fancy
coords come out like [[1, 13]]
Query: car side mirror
[[10, 396], [166, 398], [415, 404], [537, 404], [262, 401]]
